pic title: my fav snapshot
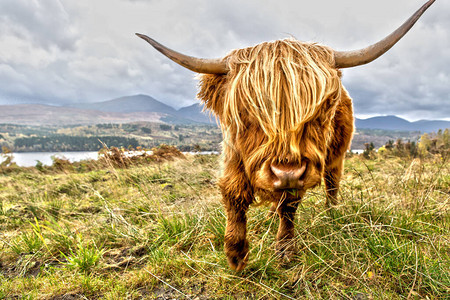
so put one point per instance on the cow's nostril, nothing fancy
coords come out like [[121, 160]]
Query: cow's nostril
[[288, 176]]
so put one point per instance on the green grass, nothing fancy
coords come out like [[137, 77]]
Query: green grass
[[156, 230]]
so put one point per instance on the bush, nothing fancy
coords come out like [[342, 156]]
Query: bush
[[165, 127], [121, 158], [435, 143]]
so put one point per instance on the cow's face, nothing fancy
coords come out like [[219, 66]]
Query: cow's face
[[291, 160], [275, 107]]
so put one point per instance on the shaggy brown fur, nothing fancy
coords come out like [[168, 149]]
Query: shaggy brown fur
[[282, 103]]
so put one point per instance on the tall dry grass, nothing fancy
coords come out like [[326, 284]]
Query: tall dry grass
[[155, 229]]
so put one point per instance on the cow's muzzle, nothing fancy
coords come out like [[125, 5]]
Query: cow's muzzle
[[288, 176]]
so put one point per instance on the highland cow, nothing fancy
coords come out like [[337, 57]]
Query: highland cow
[[287, 123]]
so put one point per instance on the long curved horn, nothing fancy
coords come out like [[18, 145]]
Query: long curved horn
[[199, 65], [347, 59]]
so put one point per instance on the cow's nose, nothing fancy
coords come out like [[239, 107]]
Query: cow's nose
[[288, 176]]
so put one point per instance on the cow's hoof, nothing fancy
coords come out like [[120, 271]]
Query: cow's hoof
[[237, 262], [286, 252], [286, 256], [331, 202], [237, 254]]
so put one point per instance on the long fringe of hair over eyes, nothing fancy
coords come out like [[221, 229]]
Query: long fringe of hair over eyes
[[281, 85]]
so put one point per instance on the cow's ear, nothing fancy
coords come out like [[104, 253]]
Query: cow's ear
[[212, 91]]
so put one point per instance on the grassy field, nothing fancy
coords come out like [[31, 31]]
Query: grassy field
[[155, 231]]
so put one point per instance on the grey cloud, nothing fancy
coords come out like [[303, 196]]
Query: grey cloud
[[65, 51], [412, 79], [46, 23]]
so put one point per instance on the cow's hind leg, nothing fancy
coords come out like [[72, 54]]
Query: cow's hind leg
[[237, 196], [285, 242]]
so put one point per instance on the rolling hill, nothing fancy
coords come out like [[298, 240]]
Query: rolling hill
[[195, 112], [128, 104], [38, 114], [145, 108], [396, 123], [144, 103]]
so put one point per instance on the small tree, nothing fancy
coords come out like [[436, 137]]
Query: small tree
[[146, 130], [165, 127], [368, 150], [389, 145], [446, 138], [424, 144], [412, 148], [383, 151], [5, 157], [197, 148]]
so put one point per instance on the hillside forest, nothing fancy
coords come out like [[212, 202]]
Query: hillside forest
[[186, 137]]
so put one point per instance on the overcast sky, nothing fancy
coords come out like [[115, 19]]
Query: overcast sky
[[59, 52]]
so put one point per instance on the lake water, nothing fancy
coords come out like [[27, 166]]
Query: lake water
[[29, 159], [357, 151]]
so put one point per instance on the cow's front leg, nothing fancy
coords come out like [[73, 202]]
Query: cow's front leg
[[236, 243], [237, 196], [332, 177], [285, 242]]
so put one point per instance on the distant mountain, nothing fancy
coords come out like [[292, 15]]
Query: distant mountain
[[128, 104], [145, 108], [396, 123], [38, 114], [144, 103], [429, 126], [195, 112]]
